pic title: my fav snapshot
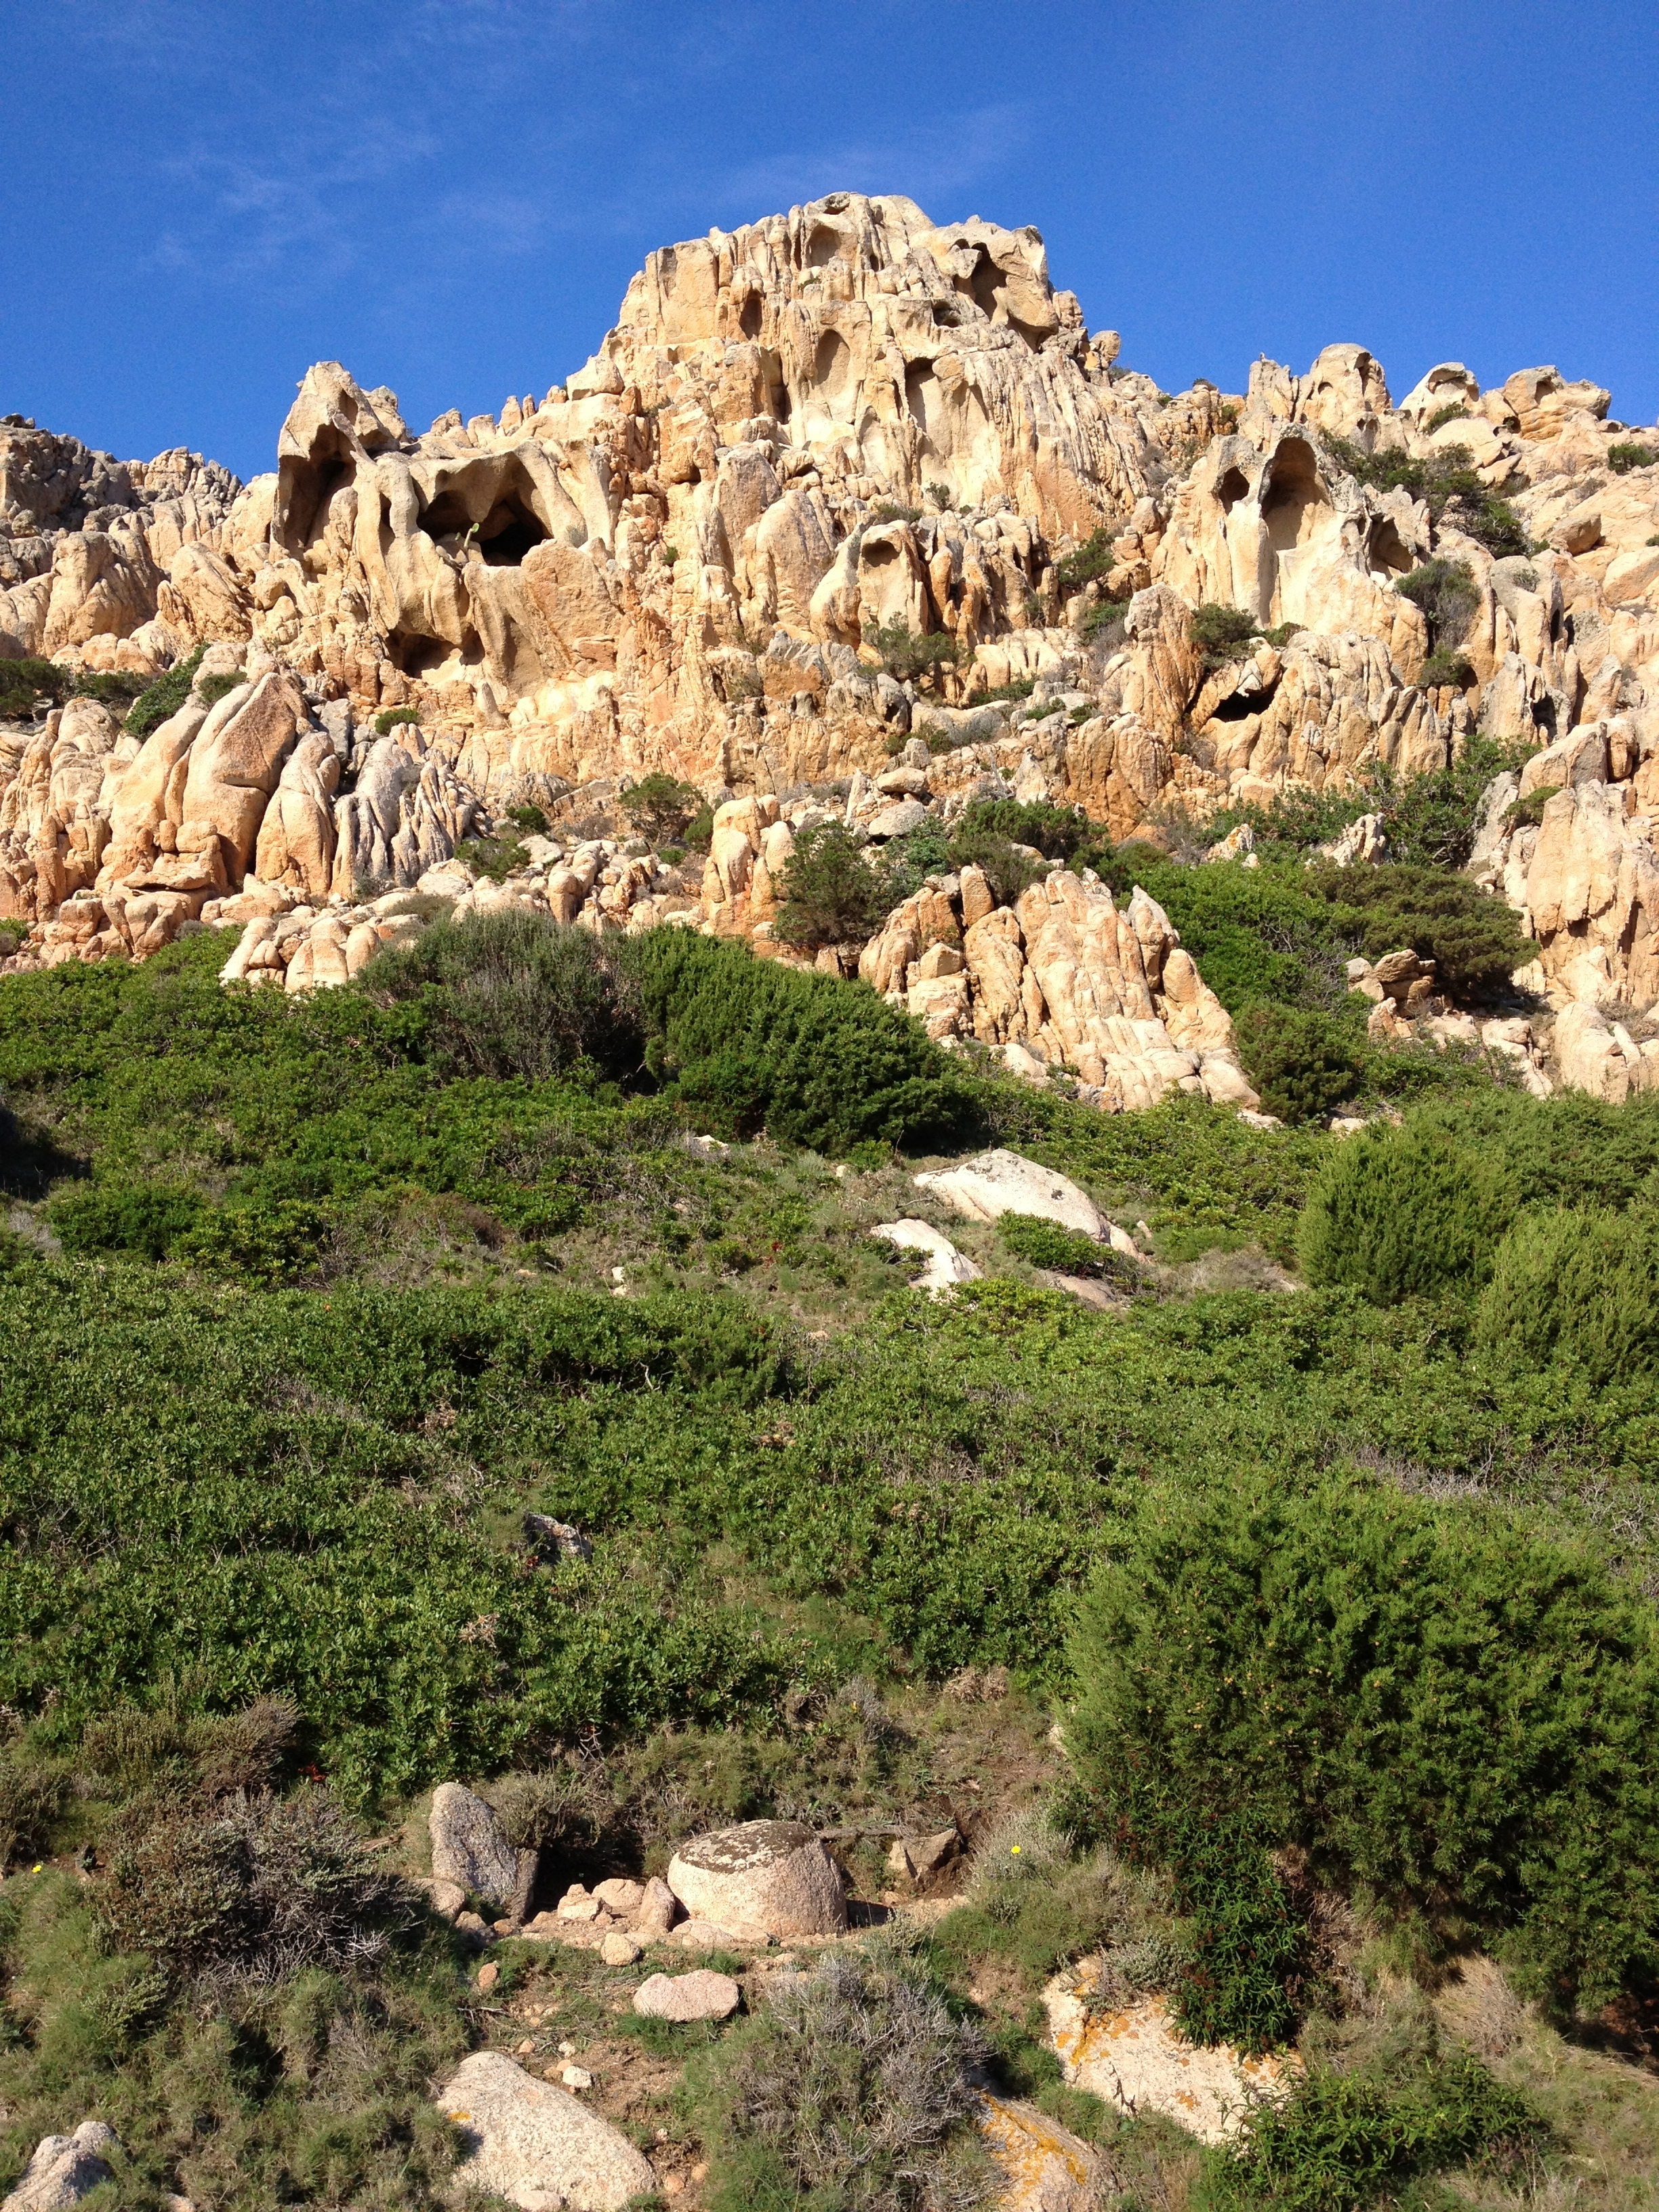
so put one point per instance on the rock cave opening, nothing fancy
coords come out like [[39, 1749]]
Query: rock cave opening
[[306, 487], [1293, 489], [508, 529], [1234, 486]]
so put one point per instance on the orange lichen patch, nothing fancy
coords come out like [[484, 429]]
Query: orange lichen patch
[[1048, 2169], [1138, 2059]]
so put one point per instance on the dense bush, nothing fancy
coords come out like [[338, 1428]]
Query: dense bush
[[905, 655], [754, 1045], [24, 683], [1342, 2140], [263, 1885], [1448, 595], [1303, 1063], [1066, 1251], [1580, 1289], [1473, 939], [659, 806], [1007, 870], [1056, 832], [1442, 668], [852, 2089], [1628, 453], [391, 718], [1222, 633], [1422, 1209], [1459, 1718], [212, 689], [165, 697], [511, 994], [831, 892], [1093, 558], [1450, 486]]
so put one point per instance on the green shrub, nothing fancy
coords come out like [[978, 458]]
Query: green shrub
[[1625, 454], [23, 682], [1103, 616], [121, 1217], [813, 1061], [212, 689], [528, 819], [1453, 1716], [1453, 411], [1448, 595], [1450, 486], [165, 697], [1008, 871], [390, 717], [851, 2088], [1237, 1979], [1407, 1213], [1473, 939], [1304, 1063], [1056, 832], [903, 654], [511, 994], [1043, 1244], [1528, 813], [1430, 819], [829, 892], [1579, 1290], [497, 857], [1342, 2141], [1093, 558], [1423, 1208], [1444, 667], [887, 510], [1004, 694], [1223, 633], [659, 806], [110, 687], [698, 834]]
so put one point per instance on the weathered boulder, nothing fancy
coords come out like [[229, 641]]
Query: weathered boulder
[[1136, 2059], [773, 1874], [64, 2168], [946, 1267], [997, 1183], [701, 1995], [1045, 2167], [470, 1847], [538, 2145]]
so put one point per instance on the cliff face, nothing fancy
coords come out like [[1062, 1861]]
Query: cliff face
[[842, 419]]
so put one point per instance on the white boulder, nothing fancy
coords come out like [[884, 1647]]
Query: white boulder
[[945, 1267], [998, 1182], [64, 2169], [535, 2145]]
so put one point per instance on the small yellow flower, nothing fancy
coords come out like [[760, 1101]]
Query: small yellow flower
[[1014, 1848]]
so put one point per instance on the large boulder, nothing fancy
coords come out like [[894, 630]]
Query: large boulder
[[998, 1182], [470, 1848], [536, 2146], [773, 1874], [64, 2169], [946, 1265]]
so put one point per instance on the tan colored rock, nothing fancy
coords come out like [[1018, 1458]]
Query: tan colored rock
[[63, 2169], [946, 1267], [701, 1995], [773, 1874]]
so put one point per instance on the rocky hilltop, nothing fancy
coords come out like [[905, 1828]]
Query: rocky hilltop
[[850, 517]]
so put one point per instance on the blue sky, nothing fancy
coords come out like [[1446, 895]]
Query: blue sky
[[449, 195]]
